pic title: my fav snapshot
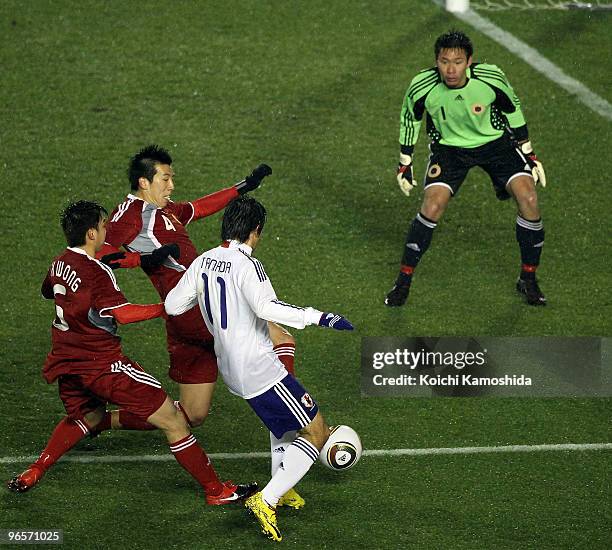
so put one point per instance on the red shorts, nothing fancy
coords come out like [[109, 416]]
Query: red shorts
[[192, 362], [191, 348], [121, 381]]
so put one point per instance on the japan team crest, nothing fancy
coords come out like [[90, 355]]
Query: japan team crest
[[434, 171], [307, 401], [478, 109]]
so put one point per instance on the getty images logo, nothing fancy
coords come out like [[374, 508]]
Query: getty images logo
[[431, 357]]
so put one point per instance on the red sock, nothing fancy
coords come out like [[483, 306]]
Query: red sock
[[130, 421], [528, 271], [65, 436], [286, 354], [192, 457]]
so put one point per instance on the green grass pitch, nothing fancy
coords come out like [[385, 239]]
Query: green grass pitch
[[314, 89]]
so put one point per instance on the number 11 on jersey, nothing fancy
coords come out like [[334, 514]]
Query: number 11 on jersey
[[222, 300]]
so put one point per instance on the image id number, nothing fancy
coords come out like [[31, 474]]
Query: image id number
[[31, 536]]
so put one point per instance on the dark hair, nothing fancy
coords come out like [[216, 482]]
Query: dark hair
[[454, 40], [241, 216], [143, 164], [80, 217]]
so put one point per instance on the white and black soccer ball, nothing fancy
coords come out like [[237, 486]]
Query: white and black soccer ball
[[342, 450]]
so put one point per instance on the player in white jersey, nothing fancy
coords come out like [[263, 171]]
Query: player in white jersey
[[237, 299]]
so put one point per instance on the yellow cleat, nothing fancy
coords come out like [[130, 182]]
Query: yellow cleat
[[292, 499], [265, 515]]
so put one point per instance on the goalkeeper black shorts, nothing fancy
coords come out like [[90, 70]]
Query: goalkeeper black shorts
[[501, 159]]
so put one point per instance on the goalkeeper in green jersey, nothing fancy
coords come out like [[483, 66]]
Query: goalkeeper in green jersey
[[473, 118]]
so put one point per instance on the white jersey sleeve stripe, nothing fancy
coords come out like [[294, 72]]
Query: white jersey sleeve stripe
[[280, 303], [261, 274], [260, 269]]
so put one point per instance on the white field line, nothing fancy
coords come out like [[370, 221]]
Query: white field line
[[534, 58], [110, 459]]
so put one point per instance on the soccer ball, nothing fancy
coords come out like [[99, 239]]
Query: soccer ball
[[342, 450]]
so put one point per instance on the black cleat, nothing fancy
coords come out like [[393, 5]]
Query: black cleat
[[531, 290], [397, 295]]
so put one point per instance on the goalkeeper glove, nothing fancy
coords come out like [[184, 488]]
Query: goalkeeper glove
[[157, 257], [537, 170], [253, 180], [331, 320], [405, 176]]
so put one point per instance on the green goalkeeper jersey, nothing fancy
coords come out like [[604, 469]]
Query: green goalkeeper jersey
[[472, 115]]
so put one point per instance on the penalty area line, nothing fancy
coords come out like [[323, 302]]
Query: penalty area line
[[110, 459], [535, 59]]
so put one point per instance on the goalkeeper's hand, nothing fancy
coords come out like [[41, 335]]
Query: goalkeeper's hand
[[254, 179], [405, 177], [331, 320], [157, 257], [537, 170]]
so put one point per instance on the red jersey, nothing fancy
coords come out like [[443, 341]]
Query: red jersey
[[85, 291], [142, 227]]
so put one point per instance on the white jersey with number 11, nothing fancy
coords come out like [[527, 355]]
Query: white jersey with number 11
[[236, 299]]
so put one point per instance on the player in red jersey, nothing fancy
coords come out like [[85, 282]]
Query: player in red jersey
[[87, 361], [152, 230]]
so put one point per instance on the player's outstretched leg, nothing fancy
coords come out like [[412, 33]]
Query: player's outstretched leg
[[192, 457], [278, 447], [297, 460], [284, 348], [64, 437]]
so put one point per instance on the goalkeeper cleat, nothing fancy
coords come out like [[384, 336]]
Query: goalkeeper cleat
[[531, 290], [292, 500], [232, 493], [265, 515], [397, 296], [26, 480]]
